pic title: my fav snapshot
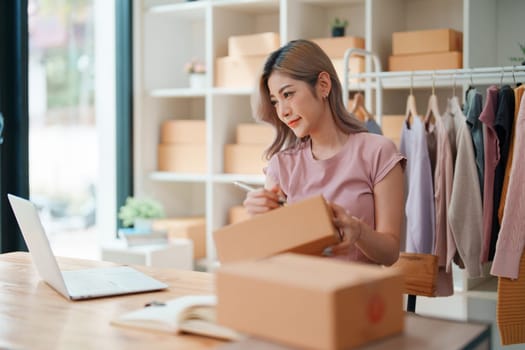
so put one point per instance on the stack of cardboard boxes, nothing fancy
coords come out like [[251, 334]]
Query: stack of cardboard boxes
[[246, 156], [182, 146], [245, 60], [426, 50]]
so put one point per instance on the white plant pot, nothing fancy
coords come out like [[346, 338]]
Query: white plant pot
[[197, 81], [143, 225]]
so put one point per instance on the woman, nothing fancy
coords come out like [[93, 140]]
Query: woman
[[320, 148]]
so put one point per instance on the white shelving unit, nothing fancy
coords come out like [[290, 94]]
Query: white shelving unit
[[169, 33]]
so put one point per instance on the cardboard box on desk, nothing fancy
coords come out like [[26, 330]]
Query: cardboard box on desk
[[238, 71], [244, 159], [430, 61], [426, 41], [303, 227], [193, 228], [336, 47], [310, 302], [190, 158], [183, 131], [253, 44]]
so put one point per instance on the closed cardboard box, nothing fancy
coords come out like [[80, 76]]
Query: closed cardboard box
[[251, 133], [392, 126], [193, 228], [426, 41], [237, 214], [355, 65], [430, 61], [244, 159], [183, 131], [336, 47], [310, 302], [253, 44], [185, 158], [304, 227], [238, 72]]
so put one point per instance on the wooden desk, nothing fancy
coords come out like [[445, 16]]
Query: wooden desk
[[34, 316]]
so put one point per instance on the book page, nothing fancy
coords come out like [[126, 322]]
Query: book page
[[191, 314]]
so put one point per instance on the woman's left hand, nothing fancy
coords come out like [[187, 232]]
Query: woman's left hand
[[349, 226]]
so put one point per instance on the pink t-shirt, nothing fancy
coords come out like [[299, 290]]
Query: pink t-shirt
[[347, 179]]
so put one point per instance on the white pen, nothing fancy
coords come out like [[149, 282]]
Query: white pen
[[244, 186], [248, 188]]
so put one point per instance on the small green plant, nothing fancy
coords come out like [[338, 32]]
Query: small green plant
[[339, 27], [519, 60], [139, 208], [339, 23]]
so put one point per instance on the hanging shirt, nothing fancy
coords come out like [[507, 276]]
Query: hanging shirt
[[453, 120], [443, 176], [473, 108], [347, 179], [465, 211], [518, 93], [511, 240], [487, 117], [373, 127], [503, 127], [419, 207]]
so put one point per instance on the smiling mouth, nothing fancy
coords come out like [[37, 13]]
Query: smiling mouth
[[292, 123]]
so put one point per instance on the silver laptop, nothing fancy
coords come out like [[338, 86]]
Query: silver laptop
[[75, 284]]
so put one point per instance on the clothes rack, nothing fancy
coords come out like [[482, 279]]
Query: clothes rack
[[380, 80]]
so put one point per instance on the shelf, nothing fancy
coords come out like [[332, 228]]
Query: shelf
[[250, 6], [182, 92], [233, 91], [187, 10], [178, 177]]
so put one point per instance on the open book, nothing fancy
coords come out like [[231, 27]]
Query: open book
[[190, 314]]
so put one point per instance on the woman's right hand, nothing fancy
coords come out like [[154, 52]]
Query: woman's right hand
[[262, 200]]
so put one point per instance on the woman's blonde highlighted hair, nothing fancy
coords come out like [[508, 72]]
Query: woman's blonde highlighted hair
[[300, 60]]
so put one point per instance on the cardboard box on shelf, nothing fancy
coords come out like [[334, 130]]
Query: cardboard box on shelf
[[193, 228], [429, 61], [392, 126], [426, 41], [336, 47], [244, 159], [310, 302], [304, 227], [237, 214], [253, 44], [252, 133], [185, 158], [183, 131], [355, 65], [237, 71]]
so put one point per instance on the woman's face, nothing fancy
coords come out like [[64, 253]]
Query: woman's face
[[295, 104]]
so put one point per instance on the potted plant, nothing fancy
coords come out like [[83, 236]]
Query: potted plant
[[139, 212], [521, 59], [339, 26], [197, 71]]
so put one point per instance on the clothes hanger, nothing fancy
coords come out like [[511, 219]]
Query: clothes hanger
[[514, 77], [453, 103], [411, 110], [432, 108], [358, 107]]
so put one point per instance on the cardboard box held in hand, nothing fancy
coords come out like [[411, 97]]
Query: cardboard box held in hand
[[304, 227], [310, 302]]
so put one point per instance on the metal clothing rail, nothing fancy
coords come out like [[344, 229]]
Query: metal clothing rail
[[346, 79], [379, 80]]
